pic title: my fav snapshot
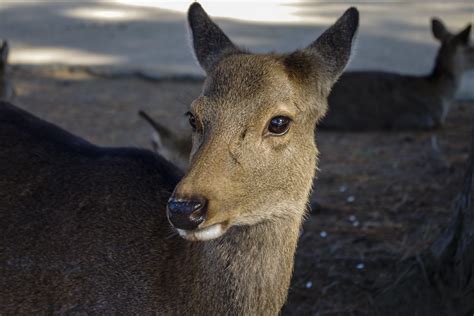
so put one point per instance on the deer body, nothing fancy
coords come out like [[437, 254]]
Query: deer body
[[389, 101], [87, 229], [365, 100]]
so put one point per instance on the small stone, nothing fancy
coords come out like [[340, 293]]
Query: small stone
[[355, 223], [352, 218], [360, 266], [309, 284], [351, 199], [343, 188], [323, 234]]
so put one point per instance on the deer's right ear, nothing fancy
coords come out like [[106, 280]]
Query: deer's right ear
[[440, 32], [209, 42], [464, 35]]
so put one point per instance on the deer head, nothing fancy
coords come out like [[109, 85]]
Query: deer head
[[254, 154], [455, 54]]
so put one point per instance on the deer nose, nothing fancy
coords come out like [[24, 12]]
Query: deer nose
[[187, 213]]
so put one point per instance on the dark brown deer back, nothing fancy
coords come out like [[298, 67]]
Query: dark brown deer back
[[80, 224]]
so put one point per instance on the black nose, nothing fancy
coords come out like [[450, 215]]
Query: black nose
[[187, 213]]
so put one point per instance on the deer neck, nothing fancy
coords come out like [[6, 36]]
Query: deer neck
[[248, 270], [444, 80]]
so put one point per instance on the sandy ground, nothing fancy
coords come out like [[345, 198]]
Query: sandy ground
[[384, 195]]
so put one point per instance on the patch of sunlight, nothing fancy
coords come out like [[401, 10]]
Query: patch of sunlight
[[101, 14], [59, 55], [5, 4], [261, 11]]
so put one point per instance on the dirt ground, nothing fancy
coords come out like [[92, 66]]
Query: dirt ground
[[384, 195]]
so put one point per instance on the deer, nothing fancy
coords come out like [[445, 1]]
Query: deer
[[374, 100], [95, 230], [6, 89], [173, 146]]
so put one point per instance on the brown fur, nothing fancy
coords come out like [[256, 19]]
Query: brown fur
[[84, 228]]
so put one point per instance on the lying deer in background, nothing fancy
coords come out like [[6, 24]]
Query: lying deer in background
[[85, 230], [365, 100], [6, 89]]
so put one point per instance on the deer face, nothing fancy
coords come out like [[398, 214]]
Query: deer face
[[254, 156], [456, 53]]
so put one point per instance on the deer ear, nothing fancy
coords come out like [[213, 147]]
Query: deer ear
[[4, 53], [209, 42], [440, 32], [335, 44], [329, 54], [463, 36]]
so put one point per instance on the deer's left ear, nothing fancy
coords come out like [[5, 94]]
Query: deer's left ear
[[326, 57], [210, 43], [335, 44], [439, 30]]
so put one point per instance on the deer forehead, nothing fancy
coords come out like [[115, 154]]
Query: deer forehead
[[246, 77], [246, 89]]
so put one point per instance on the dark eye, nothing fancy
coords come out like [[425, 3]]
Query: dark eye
[[192, 120], [279, 125]]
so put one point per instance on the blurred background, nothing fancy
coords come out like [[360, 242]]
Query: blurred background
[[150, 34]]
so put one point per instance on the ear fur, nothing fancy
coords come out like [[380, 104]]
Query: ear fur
[[209, 41], [4, 54], [464, 35], [329, 54], [439, 30]]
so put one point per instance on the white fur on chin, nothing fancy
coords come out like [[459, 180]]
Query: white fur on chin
[[208, 233]]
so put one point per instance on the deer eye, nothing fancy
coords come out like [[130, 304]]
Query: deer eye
[[279, 125], [192, 120]]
